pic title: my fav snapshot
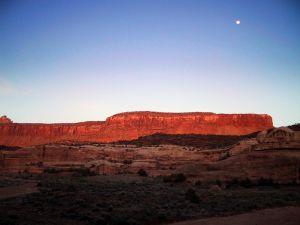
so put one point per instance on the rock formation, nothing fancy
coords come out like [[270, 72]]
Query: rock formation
[[278, 138], [131, 125], [5, 119], [205, 165], [268, 156]]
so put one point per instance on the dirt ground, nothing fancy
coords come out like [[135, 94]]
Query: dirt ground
[[277, 216]]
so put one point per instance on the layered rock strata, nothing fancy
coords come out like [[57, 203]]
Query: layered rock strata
[[205, 165], [131, 125]]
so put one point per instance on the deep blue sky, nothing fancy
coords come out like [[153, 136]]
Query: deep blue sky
[[67, 61]]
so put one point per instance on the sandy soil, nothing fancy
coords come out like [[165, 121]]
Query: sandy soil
[[277, 216]]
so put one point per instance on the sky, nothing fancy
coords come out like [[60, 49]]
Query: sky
[[80, 60]]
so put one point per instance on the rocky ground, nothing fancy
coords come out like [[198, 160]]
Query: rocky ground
[[78, 198]]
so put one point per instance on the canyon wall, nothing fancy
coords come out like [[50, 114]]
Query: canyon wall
[[131, 125]]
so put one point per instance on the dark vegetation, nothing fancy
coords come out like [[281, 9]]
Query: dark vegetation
[[192, 196], [194, 140], [136, 200], [75, 171], [247, 183], [295, 127], [8, 148], [142, 173], [4, 182], [175, 178]]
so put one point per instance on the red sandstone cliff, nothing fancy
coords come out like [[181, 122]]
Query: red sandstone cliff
[[131, 125], [5, 119]]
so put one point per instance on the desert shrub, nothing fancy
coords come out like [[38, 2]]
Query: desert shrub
[[139, 145], [213, 167], [127, 161], [175, 178], [191, 196], [295, 127], [82, 172], [76, 171], [198, 183], [246, 183], [7, 221], [8, 148], [265, 182], [51, 170], [179, 177], [86, 172], [218, 182], [167, 179], [172, 167], [100, 221], [9, 182], [68, 188], [224, 156], [142, 173], [234, 182], [122, 219]]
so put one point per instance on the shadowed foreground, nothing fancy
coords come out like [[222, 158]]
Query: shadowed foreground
[[277, 216], [78, 199]]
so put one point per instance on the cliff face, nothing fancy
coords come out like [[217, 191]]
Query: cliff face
[[128, 126], [5, 119], [26, 134]]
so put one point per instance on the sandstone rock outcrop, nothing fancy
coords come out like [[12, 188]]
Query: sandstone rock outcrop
[[278, 138], [103, 159], [5, 119], [131, 125], [205, 165]]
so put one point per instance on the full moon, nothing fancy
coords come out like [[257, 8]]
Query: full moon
[[237, 22]]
